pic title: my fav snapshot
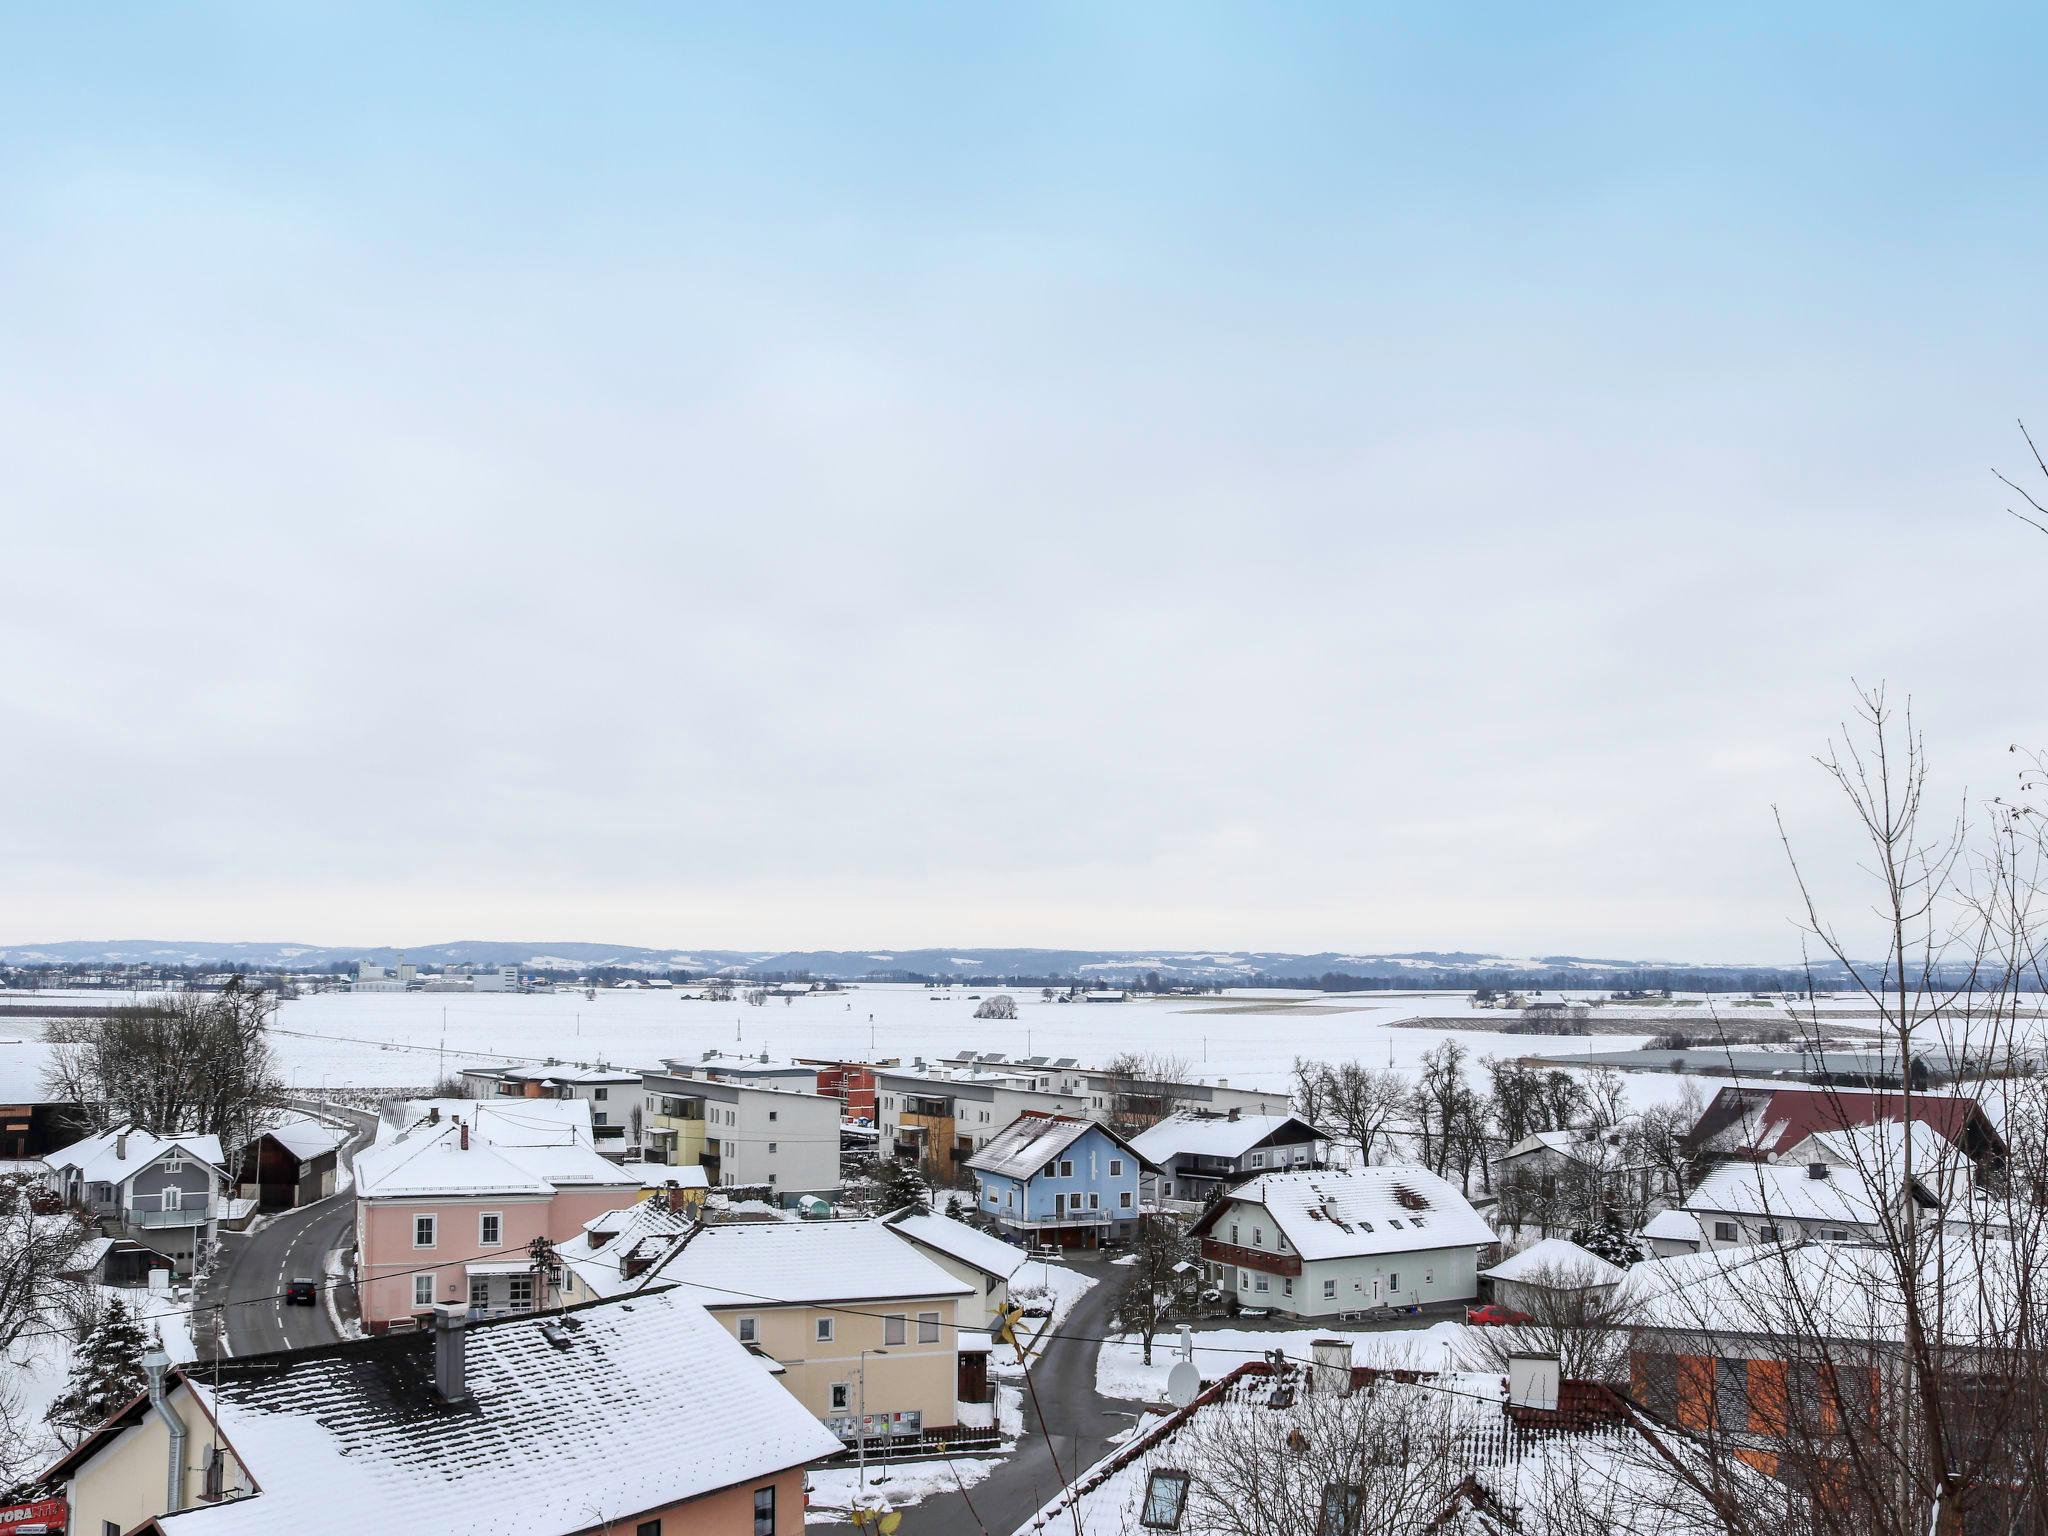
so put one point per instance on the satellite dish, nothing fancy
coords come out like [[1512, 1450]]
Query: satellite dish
[[1182, 1383]]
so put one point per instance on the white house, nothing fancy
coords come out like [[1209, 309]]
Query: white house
[[1199, 1154], [1739, 1204], [1535, 1279], [1329, 1243], [167, 1192]]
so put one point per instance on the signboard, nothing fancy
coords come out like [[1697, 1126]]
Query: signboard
[[44, 1517], [877, 1425]]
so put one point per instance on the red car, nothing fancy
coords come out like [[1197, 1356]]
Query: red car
[[1494, 1315]]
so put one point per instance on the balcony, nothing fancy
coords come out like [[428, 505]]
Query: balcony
[[1251, 1258], [195, 1215]]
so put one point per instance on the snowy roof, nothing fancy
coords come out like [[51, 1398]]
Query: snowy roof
[[351, 1437], [114, 1156], [957, 1240], [1032, 1140], [557, 1072], [804, 1262], [1578, 1147], [661, 1175], [1673, 1226], [22, 1064], [1938, 1162], [1338, 1213], [304, 1137], [1560, 1259], [434, 1162], [1770, 1189], [599, 1254], [1197, 1135]]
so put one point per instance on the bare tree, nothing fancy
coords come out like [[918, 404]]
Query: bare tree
[[1369, 1105], [1142, 1088], [1153, 1286]]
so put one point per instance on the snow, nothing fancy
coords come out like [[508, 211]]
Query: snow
[[36, 1370], [1121, 1372], [896, 1485], [1039, 1281]]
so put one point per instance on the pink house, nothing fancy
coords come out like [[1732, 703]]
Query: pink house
[[447, 1212]]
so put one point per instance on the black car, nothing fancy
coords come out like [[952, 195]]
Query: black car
[[302, 1293]]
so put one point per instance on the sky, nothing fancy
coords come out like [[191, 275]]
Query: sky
[[1295, 477]]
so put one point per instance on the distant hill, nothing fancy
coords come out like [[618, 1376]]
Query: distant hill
[[1421, 968]]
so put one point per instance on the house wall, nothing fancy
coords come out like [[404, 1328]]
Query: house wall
[[125, 1483], [387, 1259], [1750, 1230], [1413, 1278], [992, 1294], [912, 1376], [195, 1184], [728, 1512]]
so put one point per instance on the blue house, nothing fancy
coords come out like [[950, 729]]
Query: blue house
[[1058, 1179]]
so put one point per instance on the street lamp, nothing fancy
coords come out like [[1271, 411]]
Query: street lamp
[[861, 1425]]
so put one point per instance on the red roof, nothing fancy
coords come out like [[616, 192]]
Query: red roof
[[1784, 1117]]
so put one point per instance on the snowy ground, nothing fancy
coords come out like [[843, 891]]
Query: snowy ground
[[1039, 1281], [1121, 1372], [835, 1490]]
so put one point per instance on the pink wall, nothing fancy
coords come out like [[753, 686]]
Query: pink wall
[[387, 1259]]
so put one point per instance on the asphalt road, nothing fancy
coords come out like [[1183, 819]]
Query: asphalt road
[[253, 1268], [1076, 1428]]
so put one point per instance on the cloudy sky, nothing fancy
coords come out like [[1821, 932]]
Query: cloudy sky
[[1107, 475]]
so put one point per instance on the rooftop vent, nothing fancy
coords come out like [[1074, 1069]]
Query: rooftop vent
[[1816, 1170]]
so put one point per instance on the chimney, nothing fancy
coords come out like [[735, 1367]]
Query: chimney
[[121, 1146], [1532, 1381], [433, 1114], [465, 1135], [155, 1365], [1816, 1170], [1332, 1369], [1233, 1112], [451, 1344]]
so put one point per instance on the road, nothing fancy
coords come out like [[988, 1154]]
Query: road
[[250, 1274], [1077, 1426]]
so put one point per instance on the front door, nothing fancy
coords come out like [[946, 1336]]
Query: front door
[[479, 1295], [1375, 1290], [1059, 1205]]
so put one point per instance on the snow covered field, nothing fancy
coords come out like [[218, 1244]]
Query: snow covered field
[[1121, 1372]]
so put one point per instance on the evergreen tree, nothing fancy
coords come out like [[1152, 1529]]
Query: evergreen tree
[[1610, 1238], [899, 1184], [106, 1372]]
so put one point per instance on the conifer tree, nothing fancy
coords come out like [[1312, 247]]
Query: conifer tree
[[106, 1372]]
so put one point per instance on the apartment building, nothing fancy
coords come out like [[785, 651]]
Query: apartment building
[[940, 1117], [617, 1110], [744, 1135], [1122, 1096]]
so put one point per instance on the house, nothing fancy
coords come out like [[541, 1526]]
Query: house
[[939, 1118], [1738, 1204], [617, 1110], [844, 1308], [966, 1253], [448, 1213], [293, 1161], [745, 1134], [1118, 1096], [1883, 1147], [1671, 1233], [1058, 1179], [34, 1118], [1335, 1242], [1552, 1279], [557, 1425], [1535, 1167], [1199, 1154], [682, 1187], [617, 1250], [761, 1070], [1754, 1123], [852, 1083], [165, 1192]]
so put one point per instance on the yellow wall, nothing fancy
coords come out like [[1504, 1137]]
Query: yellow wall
[[125, 1482], [911, 1377]]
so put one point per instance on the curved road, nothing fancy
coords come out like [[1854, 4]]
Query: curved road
[[251, 1272]]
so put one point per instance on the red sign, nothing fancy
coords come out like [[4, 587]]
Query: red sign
[[44, 1515]]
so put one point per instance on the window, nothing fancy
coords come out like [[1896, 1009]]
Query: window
[[1394, 1222], [647, 1528], [1233, 1234], [824, 1334], [1329, 1290], [772, 1114], [423, 1231], [895, 1328], [842, 1396], [1836, 1234], [1394, 1281], [490, 1229], [597, 1117], [927, 1327], [1094, 1201], [1166, 1500], [1414, 1221], [764, 1511], [600, 1094], [1287, 1286], [1263, 1284], [747, 1331], [519, 1293], [1124, 1199], [1341, 1504], [1258, 1159], [1258, 1237], [1724, 1231], [1767, 1233], [423, 1290], [110, 1528], [1066, 1168], [1116, 1167]]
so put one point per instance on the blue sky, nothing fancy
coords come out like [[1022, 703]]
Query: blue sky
[[1092, 475]]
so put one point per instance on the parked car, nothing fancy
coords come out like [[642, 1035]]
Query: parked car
[[1494, 1315], [302, 1293]]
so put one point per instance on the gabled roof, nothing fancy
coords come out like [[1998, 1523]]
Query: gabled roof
[[350, 1437], [1768, 1122], [1339, 1213], [957, 1240], [1034, 1138], [1771, 1189], [1188, 1133], [114, 1156], [1674, 1226], [1557, 1260], [304, 1137], [611, 1243], [761, 1263], [510, 1122], [434, 1162]]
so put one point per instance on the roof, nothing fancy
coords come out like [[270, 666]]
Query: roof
[[1674, 1226], [1024, 1146], [1187, 1133], [304, 1137], [661, 1175], [1771, 1189], [1768, 1122], [1333, 1214], [350, 1437], [801, 1262], [557, 1072], [645, 1231], [1578, 1147], [434, 1162], [957, 1240], [23, 1065], [108, 1158], [508, 1122], [1559, 1262]]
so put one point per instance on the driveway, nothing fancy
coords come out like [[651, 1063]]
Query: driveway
[[253, 1267], [1077, 1425]]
